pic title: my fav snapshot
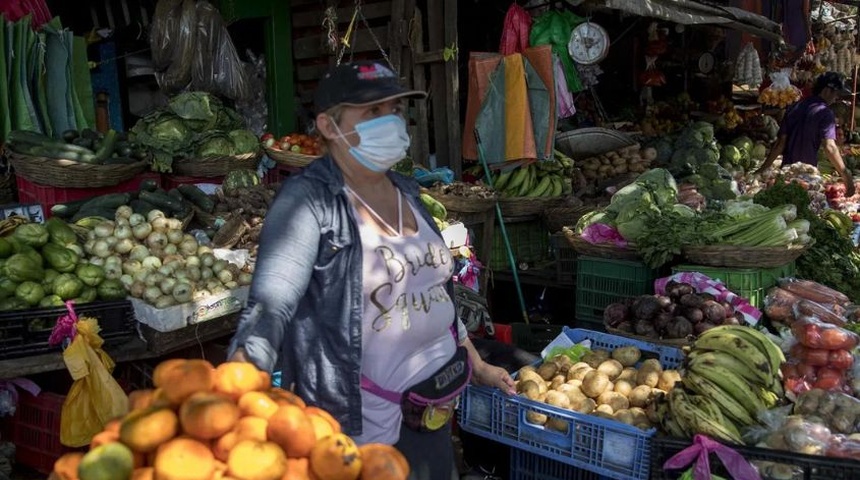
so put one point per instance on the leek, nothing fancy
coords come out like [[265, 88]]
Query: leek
[[802, 226]]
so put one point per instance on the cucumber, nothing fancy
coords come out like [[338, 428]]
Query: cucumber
[[149, 185], [197, 197], [110, 200], [174, 193], [108, 213], [107, 146], [162, 201], [141, 207], [68, 209]]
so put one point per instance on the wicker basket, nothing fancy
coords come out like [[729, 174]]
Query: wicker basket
[[290, 159], [525, 206], [215, 166], [459, 204], [70, 174], [731, 256], [558, 217], [601, 250], [673, 342]]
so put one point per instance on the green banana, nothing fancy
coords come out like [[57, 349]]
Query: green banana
[[502, 180], [566, 186], [729, 362], [769, 399], [770, 350], [517, 178], [529, 182], [718, 431], [542, 187], [735, 344], [557, 186], [733, 385], [732, 410], [693, 411]]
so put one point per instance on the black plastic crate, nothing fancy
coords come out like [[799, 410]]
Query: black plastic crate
[[26, 332], [813, 467], [533, 337], [565, 259]]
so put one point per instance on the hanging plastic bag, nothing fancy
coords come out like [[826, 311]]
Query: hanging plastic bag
[[217, 67], [780, 93], [515, 34], [553, 28], [748, 67], [95, 397]]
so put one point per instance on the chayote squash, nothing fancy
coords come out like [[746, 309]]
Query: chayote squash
[[67, 286], [30, 292], [6, 249], [7, 287], [60, 258], [90, 274], [59, 232], [49, 301], [48, 280], [87, 295], [111, 289], [13, 303], [21, 267], [32, 234], [242, 178]]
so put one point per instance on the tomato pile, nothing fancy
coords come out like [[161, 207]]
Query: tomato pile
[[294, 142], [835, 193]]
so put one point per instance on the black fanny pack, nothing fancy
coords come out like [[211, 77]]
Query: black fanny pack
[[429, 405]]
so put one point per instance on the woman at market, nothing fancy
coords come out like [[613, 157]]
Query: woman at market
[[809, 123], [352, 292]]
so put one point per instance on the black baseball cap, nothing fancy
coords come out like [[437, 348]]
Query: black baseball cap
[[360, 83], [831, 80]]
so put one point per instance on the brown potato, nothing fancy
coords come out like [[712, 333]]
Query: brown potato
[[535, 417], [594, 383], [639, 415], [623, 387], [640, 396], [576, 398], [628, 374], [627, 356], [529, 389], [611, 368], [576, 383], [556, 381], [527, 368], [557, 399], [667, 380], [578, 370], [595, 357], [564, 363], [651, 364], [648, 377], [547, 370], [531, 375], [623, 416], [643, 425], [614, 400], [605, 408], [557, 424], [586, 406]]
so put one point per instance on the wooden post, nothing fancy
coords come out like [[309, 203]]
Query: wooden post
[[452, 91], [421, 138]]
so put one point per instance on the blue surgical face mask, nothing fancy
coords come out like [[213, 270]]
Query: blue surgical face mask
[[383, 142]]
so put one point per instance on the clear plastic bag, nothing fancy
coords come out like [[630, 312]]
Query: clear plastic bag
[[838, 411], [780, 93], [814, 333], [781, 430], [825, 296], [808, 308], [217, 67], [779, 305]]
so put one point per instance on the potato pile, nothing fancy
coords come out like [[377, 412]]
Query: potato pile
[[605, 384], [632, 159]]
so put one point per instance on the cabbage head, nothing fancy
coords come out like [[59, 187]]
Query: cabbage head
[[759, 152], [597, 216], [683, 210], [244, 141], [214, 146], [163, 131], [690, 138], [744, 144], [633, 195], [706, 129], [632, 223], [730, 154], [662, 185]]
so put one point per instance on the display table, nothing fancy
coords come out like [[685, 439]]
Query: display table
[[151, 345]]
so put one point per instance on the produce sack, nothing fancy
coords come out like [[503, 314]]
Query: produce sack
[[703, 284], [95, 397]]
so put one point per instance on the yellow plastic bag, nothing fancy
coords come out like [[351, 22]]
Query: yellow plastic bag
[[95, 397]]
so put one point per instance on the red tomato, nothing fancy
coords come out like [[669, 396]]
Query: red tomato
[[815, 357], [840, 359], [828, 383], [830, 372], [837, 339], [807, 333], [807, 371], [789, 370]]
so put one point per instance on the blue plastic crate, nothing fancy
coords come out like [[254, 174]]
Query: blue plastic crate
[[606, 447], [529, 466]]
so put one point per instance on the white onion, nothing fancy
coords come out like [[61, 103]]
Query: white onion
[[201, 294], [156, 239], [207, 259], [131, 266], [141, 231], [91, 235], [139, 252], [123, 246], [113, 260], [156, 252], [104, 229], [166, 269], [219, 265], [181, 274], [137, 289], [88, 247], [151, 294], [225, 276], [113, 272], [189, 248], [182, 292], [206, 273], [111, 241], [194, 273], [141, 275], [191, 260], [174, 258], [124, 212], [164, 301], [123, 231], [154, 279], [170, 249], [174, 224], [151, 263], [204, 249], [101, 248], [245, 278], [167, 285], [127, 281], [159, 224], [153, 214], [136, 219], [174, 236], [231, 285]]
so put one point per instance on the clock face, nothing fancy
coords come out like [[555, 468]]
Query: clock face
[[706, 62], [589, 43]]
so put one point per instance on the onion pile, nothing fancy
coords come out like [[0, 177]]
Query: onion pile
[[157, 262]]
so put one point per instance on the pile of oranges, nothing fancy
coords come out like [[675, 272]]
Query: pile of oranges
[[206, 423]]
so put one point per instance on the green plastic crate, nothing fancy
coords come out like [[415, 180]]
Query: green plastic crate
[[601, 281], [529, 243], [750, 283]]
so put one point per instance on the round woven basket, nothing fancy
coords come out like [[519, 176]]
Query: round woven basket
[[732, 256], [71, 174], [673, 342], [456, 203], [215, 166], [290, 159], [562, 216], [600, 250], [525, 206]]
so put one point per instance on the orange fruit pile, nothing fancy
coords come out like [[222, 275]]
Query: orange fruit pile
[[225, 423]]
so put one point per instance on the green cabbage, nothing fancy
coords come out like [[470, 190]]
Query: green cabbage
[[590, 218], [730, 154], [706, 130], [215, 146], [244, 141], [744, 144]]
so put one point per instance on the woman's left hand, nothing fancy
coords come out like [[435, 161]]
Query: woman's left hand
[[493, 376]]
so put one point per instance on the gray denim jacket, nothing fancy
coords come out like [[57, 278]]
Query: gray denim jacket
[[304, 309]]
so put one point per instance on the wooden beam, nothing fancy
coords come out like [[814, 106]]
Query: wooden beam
[[430, 57], [421, 141], [438, 83], [452, 91], [344, 15], [308, 73], [396, 34], [312, 46]]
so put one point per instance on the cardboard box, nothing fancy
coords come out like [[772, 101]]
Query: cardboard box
[[180, 316]]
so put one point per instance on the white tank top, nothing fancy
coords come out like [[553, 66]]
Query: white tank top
[[406, 326]]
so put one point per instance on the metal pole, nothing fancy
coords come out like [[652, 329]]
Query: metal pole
[[511, 260]]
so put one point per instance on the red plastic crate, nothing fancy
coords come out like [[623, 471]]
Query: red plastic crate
[[504, 333], [48, 196], [35, 431]]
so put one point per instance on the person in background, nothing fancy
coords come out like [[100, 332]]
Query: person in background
[[352, 297], [810, 123], [796, 24]]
